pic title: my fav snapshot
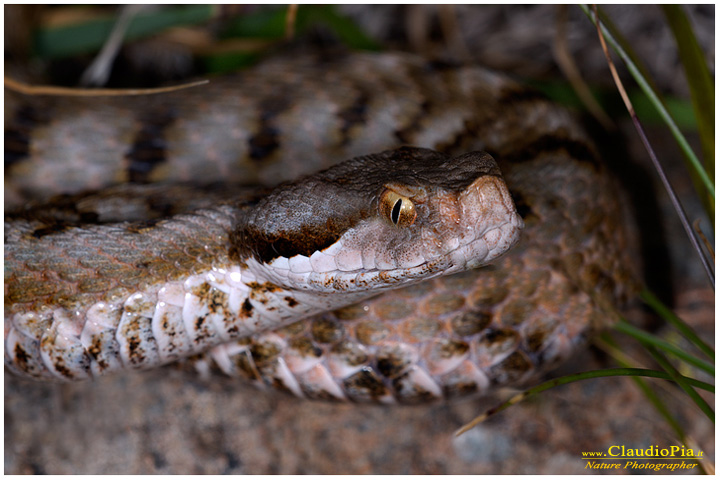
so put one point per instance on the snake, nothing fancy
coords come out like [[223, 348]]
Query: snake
[[470, 237]]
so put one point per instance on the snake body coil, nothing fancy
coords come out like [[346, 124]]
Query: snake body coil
[[84, 299]]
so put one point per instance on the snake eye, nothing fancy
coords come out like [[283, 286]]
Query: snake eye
[[397, 209]]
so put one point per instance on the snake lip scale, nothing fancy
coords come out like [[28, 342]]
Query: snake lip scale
[[135, 276]]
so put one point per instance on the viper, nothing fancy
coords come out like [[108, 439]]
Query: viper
[[126, 278]]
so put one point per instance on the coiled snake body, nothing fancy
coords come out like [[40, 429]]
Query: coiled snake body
[[234, 273]]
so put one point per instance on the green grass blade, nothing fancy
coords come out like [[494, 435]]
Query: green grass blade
[[89, 36], [660, 407], [681, 381], [656, 402], [608, 344], [702, 87], [645, 86], [271, 24], [627, 47], [669, 316], [680, 109], [260, 24], [651, 340], [556, 382], [345, 28]]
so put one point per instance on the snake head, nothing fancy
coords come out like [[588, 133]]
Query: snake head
[[380, 221]]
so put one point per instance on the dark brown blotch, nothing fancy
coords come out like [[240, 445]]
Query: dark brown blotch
[[247, 309], [354, 114], [135, 351], [365, 385], [536, 339], [95, 348], [306, 240], [392, 361], [149, 148], [18, 133], [264, 143], [21, 358], [265, 287], [266, 139], [59, 365]]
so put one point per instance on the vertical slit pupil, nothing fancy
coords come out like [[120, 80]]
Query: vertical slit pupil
[[395, 215]]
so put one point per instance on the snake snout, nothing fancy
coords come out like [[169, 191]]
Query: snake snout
[[489, 220]]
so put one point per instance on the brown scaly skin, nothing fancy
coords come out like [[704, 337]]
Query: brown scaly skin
[[573, 263]]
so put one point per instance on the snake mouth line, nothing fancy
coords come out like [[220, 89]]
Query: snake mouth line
[[298, 273]]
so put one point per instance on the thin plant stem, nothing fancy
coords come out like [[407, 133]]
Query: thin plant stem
[[681, 381], [645, 86], [602, 33], [651, 340], [556, 382], [669, 316]]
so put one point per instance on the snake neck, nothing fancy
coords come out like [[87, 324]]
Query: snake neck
[[158, 324]]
